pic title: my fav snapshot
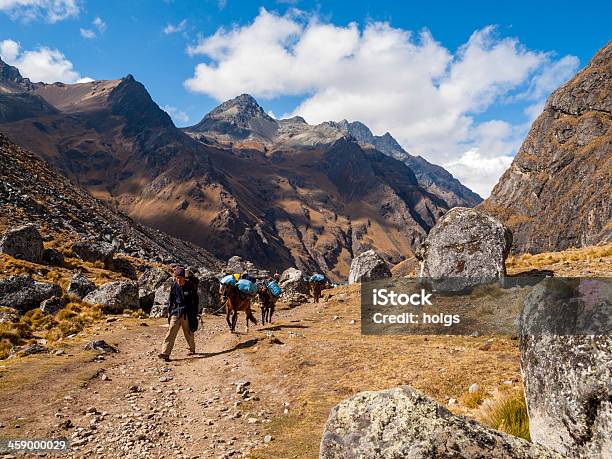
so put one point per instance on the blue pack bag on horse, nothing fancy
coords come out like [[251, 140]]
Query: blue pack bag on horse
[[274, 289], [317, 278], [229, 279], [247, 287]]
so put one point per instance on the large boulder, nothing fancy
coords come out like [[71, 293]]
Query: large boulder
[[464, 249], [237, 265], [94, 251], [403, 423], [148, 282], [24, 293], [115, 296], [160, 300], [24, 243], [566, 360], [80, 286], [368, 266], [292, 281], [208, 291]]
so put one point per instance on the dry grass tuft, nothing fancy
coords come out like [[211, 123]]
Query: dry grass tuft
[[473, 399], [13, 334], [508, 414]]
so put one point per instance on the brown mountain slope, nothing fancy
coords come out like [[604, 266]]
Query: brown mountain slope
[[314, 203], [32, 191], [556, 194]]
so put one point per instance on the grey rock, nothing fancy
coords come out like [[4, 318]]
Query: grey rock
[[23, 293], [24, 243], [160, 302], [94, 251], [52, 305], [368, 266], [53, 257], [124, 267], [567, 376], [148, 282], [115, 296], [208, 291], [237, 265], [464, 249], [100, 345], [80, 286], [403, 423], [292, 281], [31, 349]]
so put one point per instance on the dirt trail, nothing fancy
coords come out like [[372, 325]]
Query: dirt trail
[[132, 405]]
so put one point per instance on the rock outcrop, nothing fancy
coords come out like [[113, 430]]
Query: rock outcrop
[[148, 282], [80, 286], [160, 299], [94, 251], [466, 248], [24, 242], [53, 257], [52, 305], [24, 293], [403, 423], [368, 266], [566, 360], [556, 193], [115, 297]]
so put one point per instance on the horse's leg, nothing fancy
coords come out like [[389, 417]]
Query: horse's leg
[[234, 320], [271, 312], [227, 315], [263, 314]]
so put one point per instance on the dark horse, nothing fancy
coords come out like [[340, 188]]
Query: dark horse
[[315, 288], [267, 302], [234, 301]]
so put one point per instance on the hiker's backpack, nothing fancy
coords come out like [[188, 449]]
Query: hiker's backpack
[[228, 280], [317, 278], [274, 289], [247, 287]]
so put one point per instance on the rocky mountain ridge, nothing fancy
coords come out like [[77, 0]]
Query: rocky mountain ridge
[[556, 193], [243, 121]]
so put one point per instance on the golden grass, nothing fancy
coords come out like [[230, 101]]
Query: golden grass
[[595, 260], [508, 413], [13, 334], [473, 399]]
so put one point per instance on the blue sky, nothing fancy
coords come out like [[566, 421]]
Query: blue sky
[[463, 94]]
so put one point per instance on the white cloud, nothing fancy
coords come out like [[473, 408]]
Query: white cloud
[[87, 33], [48, 10], [177, 115], [171, 28], [478, 172], [43, 64], [98, 24], [430, 98]]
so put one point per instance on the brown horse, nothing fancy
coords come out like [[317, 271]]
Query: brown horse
[[267, 302], [234, 301], [316, 288]]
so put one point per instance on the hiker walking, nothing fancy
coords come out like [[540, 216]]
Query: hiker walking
[[182, 312]]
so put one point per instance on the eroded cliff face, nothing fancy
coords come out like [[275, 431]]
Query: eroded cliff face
[[556, 194]]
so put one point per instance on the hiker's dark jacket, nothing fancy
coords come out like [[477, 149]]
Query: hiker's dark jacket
[[184, 301]]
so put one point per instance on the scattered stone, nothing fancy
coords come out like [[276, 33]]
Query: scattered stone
[[473, 388], [9, 315], [268, 438], [80, 286], [402, 422], [23, 293], [368, 266], [464, 249], [102, 346], [115, 296], [24, 242], [31, 349], [52, 305]]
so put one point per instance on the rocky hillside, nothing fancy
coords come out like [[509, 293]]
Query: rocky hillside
[[556, 193], [31, 191]]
